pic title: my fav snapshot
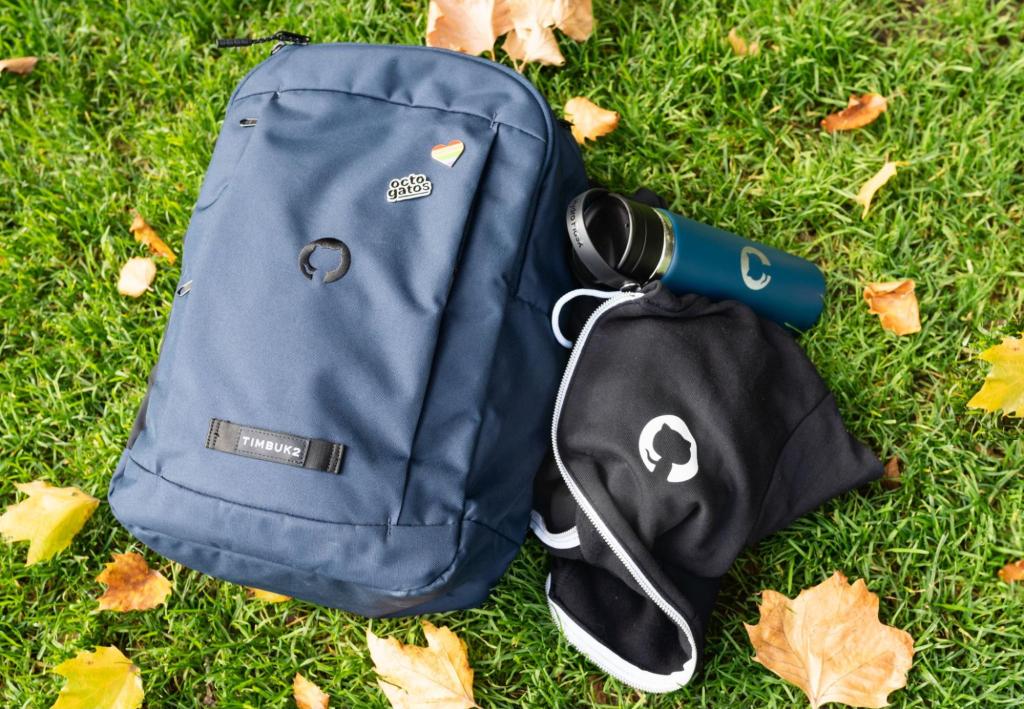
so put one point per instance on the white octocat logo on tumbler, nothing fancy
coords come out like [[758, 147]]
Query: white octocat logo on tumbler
[[748, 280], [668, 448]]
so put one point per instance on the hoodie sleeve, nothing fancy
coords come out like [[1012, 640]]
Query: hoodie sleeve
[[819, 461]]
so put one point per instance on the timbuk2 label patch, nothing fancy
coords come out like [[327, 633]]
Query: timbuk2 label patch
[[252, 442]]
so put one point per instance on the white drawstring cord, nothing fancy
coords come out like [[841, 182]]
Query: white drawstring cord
[[556, 312]]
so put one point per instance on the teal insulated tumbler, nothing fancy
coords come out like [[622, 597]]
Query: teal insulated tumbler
[[617, 241]]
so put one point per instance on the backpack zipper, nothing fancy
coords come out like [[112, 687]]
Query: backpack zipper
[[282, 38], [602, 529]]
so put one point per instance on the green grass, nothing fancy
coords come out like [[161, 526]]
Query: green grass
[[123, 111]]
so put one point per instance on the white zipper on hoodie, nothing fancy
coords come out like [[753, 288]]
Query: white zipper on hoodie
[[601, 655]]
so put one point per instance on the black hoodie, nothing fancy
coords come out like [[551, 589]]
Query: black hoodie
[[684, 430]]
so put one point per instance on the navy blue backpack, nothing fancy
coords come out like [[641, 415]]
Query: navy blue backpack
[[355, 386]]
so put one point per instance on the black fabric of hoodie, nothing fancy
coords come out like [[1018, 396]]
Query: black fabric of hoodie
[[770, 447]]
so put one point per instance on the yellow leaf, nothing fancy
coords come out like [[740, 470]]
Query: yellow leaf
[[1004, 385], [136, 275], [437, 676], [145, 234], [18, 65], [895, 304], [588, 119], [48, 519], [470, 26], [308, 695], [267, 596], [739, 45], [132, 585], [868, 189], [104, 679], [859, 112], [829, 643]]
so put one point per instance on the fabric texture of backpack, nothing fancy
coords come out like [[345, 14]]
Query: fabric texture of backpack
[[356, 381]]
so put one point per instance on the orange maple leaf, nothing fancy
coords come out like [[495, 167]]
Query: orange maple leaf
[[895, 304], [148, 236], [470, 26], [18, 65], [829, 642], [588, 119], [308, 695], [859, 112], [132, 585]]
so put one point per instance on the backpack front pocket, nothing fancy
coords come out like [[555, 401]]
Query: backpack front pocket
[[319, 285]]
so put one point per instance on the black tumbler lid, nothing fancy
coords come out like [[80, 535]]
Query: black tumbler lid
[[616, 240]]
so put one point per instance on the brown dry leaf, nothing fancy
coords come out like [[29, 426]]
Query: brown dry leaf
[[132, 585], [1014, 571], [588, 119], [104, 679], [574, 17], [470, 26], [48, 519], [533, 43], [868, 189], [533, 38], [308, 695], [829, 642], [895, 304], [136, 275], [891, 474], [739, 45], [1004, 385], [859, 112], [18, 65], [267, 596], [144, 233], [437, 676]]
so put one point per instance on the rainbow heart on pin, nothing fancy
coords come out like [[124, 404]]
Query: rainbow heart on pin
[[448, 154]]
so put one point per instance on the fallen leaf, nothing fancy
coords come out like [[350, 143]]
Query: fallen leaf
[[267, 596], [895, 304], [1014, 571], [145, 234], [868, 189], [829, 643], [104, 679], [891, 474], [48, 519], [470, 26], [574, 17], [136, 275], [588, 119], [132, 585], [308, 695], [859, 112], [739, 45], [1004, 385], [436, 676], [18, 65], [533, 43]]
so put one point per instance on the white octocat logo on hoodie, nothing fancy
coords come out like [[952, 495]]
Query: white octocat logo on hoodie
[[668, 448]]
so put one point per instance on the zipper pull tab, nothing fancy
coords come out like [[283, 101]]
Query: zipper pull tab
[[282, 38]]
